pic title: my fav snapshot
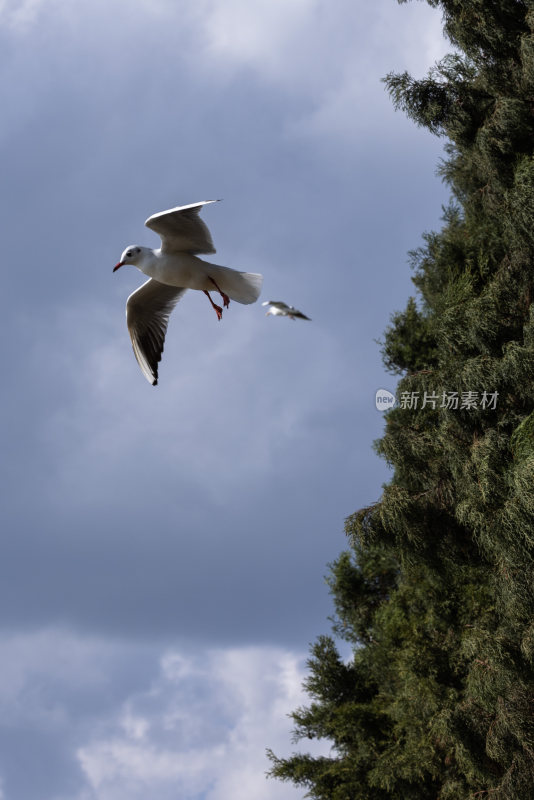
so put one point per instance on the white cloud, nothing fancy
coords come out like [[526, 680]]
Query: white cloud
[[258, 33], [195, 725], [201, 729], [354, 101], [19, 15], [37, 668], [312, 44], [328, 57]]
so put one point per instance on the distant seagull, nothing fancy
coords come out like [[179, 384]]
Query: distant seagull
[[279, 309], [173, 269]]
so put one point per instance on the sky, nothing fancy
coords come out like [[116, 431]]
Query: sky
[[164, 549]]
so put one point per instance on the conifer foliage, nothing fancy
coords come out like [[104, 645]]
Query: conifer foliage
[[436, 594]]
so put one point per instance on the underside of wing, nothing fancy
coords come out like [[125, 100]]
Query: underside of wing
[[147, 315], [182, 230]]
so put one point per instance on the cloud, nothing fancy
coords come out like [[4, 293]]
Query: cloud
[[309, 44], [120, 721], [201, 729], [19, 15], [261, 34], [331, 58], [325, 60], [33, 689], [55, 686]]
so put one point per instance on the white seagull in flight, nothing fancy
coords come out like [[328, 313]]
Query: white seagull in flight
[[279, 309], [173, 269]]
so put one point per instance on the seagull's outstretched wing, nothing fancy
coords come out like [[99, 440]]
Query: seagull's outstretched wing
[[293, 312], [283, 310], [147, 315], [182, 230], [277, 304]]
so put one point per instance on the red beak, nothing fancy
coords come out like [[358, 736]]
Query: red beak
[[120, 264]]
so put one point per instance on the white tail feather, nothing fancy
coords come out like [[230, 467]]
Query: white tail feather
[[243, 287]]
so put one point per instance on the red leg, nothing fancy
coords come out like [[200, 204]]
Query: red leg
[[226, 299], [218, 309]]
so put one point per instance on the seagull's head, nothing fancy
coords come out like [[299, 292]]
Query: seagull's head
[[132, 255]]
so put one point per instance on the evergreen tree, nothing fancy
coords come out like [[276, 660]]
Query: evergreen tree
[[436, 594]]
